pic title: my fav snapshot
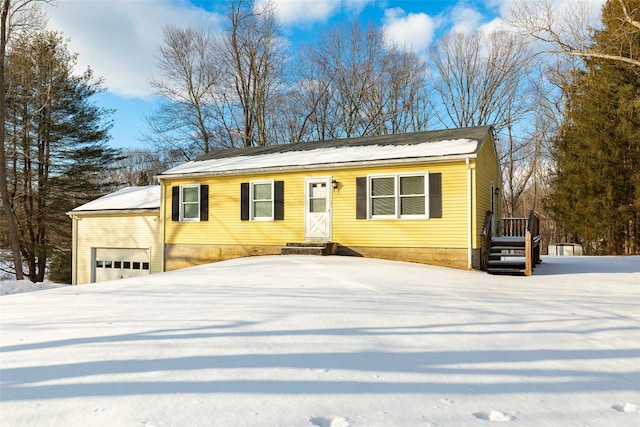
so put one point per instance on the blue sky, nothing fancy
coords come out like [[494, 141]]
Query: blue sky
[[118, 39]]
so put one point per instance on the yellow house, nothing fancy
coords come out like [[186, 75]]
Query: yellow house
[[418, 197], [117, 236]]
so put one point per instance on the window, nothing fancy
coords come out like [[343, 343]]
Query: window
[[262, 200], [190, 203], [398, 196]]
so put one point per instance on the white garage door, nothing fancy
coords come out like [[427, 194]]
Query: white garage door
[[120, 263]]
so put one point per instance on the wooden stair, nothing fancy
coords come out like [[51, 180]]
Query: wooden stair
[[507, 255], [517, 251], [310, 248]]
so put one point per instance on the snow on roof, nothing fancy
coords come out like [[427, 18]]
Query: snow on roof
[[328, 155], [147, 197]]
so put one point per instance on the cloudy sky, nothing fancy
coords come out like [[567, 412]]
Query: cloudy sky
[[118, 39]]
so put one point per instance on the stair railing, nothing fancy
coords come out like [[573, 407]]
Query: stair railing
[[485, 247], [532, 243]]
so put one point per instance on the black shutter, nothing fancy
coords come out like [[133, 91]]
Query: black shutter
[[278, 200], [435, 195], [244, 201], [361, 197], [204, 203], [175, 203]]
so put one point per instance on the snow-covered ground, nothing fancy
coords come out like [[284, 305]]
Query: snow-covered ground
[[329, 341]]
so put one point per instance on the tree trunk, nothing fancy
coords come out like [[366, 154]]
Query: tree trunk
[[4, 192]]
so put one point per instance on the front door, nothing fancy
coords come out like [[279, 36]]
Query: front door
[[317, 218]]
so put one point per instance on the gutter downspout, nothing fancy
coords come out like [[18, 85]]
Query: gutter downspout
[[162, 209], [469, 215]]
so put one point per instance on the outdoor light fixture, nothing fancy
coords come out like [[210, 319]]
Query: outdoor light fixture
[[335, 184]]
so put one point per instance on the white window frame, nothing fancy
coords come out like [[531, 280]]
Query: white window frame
[[397, 196], [252, 215], [182, 203]]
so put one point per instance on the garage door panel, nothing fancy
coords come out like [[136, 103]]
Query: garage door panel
[[120, 263]]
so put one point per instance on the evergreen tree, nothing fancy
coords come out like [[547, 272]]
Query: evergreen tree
[[597, 195], [56, 140]]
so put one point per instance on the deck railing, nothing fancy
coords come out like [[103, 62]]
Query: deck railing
[[514, 227]]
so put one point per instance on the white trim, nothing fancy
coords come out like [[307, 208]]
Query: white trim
[[469, 216], [182, 218], [329, 208], [398, 197], [163, 223], [252, 216]]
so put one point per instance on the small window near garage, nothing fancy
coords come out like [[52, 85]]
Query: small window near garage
[[100, 264], [117, 264], [190, 203], [145, 265], [108, 264], [136, 266], [126, 264]]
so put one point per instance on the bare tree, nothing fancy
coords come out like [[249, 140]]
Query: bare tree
[[253, 56], [568, 27], [138, 166], [14, 16], [479, 78], [357, 85], [190, 75]]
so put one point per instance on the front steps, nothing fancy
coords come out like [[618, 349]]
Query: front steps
[[507, 256], [310, 248]]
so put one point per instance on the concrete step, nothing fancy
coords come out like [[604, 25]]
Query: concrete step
[[302, 250], [310, 248]]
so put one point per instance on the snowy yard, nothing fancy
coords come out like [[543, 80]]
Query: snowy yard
[[329, 341]]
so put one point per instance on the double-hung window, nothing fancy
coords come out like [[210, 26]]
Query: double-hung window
[[262, 200], [399, 196], [190, 203]]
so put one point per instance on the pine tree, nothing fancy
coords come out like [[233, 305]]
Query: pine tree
[[56, 140], [597, 197]]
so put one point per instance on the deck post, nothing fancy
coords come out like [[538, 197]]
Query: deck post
[[528, 253]]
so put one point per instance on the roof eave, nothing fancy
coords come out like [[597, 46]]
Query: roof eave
[[323, 166], [88, 212]]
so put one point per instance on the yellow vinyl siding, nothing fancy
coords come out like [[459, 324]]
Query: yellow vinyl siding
[[487, 170], [117, 230], [225, 227]]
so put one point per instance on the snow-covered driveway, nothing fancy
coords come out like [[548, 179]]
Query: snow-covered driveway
[[328, 341]]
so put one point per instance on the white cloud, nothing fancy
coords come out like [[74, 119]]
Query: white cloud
[[412, 31], [119, 39], [465, 20], [302, 12]]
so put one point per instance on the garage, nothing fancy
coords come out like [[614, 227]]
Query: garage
[[120, 263]]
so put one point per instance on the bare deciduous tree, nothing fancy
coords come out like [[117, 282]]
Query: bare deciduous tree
[[357, 85], [190, 74], [568, 27], [253, 56]]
